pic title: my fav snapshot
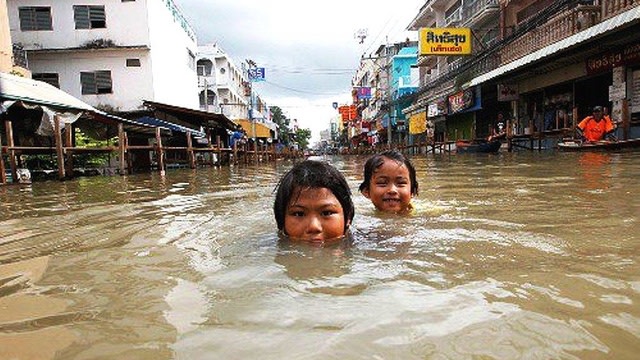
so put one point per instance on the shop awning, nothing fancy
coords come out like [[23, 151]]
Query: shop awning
[[148, 120], [616, 22], [262, 130], [191, 116], [38, 92]]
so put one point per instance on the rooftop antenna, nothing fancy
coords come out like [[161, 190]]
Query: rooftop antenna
[[361, 34]]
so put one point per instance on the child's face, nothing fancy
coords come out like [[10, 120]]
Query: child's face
[[390, 187], [314, 215]]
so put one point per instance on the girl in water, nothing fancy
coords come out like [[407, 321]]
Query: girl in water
[[313, 203], [390, 182]]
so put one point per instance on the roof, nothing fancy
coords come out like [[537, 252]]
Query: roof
[[614, 23], [148, 120], [38, 92], [187, 115]]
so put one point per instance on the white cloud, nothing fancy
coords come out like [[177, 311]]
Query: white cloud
[[308, 48]]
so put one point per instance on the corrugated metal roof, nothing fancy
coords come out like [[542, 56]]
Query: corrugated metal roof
[[599, 29], [38, 92], [148, 120]]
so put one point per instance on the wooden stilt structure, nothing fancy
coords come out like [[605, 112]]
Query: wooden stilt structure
[[57, 124], [3, 174], [160, 152]]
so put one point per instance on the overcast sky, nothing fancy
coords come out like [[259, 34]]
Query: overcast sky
[[308, 48]]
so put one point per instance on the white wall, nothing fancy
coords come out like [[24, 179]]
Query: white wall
[[174, 82], [165, 75], [131, 85], [125, 25]]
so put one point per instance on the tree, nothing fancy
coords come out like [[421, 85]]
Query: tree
[[302, 137], [278, 117]]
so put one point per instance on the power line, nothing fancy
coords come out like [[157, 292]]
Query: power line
[[302, 91]]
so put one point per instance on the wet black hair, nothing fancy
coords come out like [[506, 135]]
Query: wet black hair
[[377, 160], [312, 174]]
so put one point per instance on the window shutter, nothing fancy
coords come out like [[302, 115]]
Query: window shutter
[[97, 16], [88, 82], [81, 16], [43, 18], [103, 81]]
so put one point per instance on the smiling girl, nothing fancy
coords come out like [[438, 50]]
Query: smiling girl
[[390, 182]]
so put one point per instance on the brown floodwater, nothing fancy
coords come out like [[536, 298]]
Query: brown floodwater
[[515, 255]]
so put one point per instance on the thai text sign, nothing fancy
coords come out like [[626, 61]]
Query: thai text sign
[[418, 123], [445, 41], [613, 58], [348, 112]]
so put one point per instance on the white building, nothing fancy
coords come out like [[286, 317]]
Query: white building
[[227, 90], [109, 53], [222, 83]]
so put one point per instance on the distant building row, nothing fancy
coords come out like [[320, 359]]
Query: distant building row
[[116, 54]]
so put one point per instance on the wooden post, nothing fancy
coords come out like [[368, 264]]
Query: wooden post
[[68, 143], [122, 147], [219, 145], [3, 174], [12, 153], [626, 121], [59, 150], [255, 151], [235, 153], [190, 154], [160, 152]]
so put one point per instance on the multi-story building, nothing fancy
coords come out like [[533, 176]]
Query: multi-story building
[[381, 80], [223, 84], [225, 88], [541, 64], [109, 53]]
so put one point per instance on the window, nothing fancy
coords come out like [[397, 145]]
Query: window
[[133, 62], [35, 18], [89, 17], [49, 78], [97, 82]]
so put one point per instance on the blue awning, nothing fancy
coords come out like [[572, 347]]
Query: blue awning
[[148, 120]]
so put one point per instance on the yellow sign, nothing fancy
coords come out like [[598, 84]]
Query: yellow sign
[[445, 41], [262, 131], [418, 123]]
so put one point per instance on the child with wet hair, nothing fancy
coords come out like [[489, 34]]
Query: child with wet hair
[[313, 203], [390, 182]]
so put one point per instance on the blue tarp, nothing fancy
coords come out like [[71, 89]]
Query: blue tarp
[[148, 120]]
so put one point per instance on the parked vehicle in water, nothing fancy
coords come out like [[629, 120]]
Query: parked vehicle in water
[[602, 145], [478, 146]]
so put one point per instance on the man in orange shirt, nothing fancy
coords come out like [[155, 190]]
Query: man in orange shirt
[[596, 126]]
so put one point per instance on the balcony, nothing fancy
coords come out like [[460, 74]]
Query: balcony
[[562, 25], [480, 11], [454, 19]]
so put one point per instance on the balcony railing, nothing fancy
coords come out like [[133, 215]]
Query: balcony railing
[[20, 57], [454, 18], [478, 8], [614, 7], [561, 26]]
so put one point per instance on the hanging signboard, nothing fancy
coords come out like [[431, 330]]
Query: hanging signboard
[[256, 74], [507, 92], [418, 123], [461, 100], [364, 92], [445, 41]]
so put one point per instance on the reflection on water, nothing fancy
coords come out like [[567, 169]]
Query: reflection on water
[[526, 255]]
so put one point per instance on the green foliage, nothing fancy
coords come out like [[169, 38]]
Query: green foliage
[[91, 160], [302, 137], [278, 117]]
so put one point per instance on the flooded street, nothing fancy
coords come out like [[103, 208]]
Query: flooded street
[[515, 255]]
